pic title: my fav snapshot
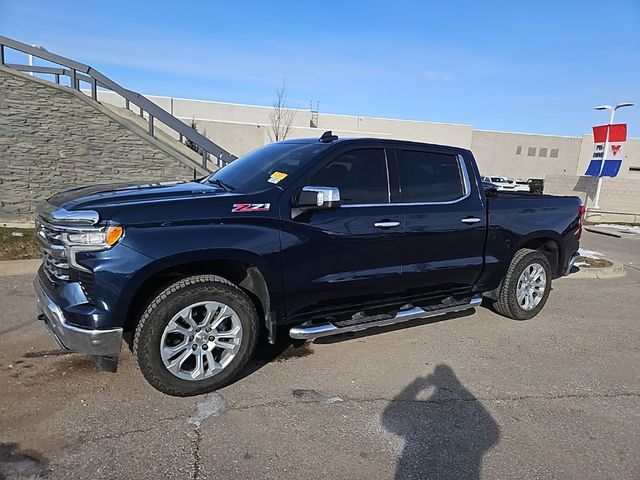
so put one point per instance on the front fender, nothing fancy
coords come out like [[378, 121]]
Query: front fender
[[256, 245]]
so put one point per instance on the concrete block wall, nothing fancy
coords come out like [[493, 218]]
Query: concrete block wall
[[52, 138], [619, 197]]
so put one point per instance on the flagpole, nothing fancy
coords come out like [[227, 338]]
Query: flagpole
[[596, 200]]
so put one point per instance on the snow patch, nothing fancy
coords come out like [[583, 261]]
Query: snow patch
[[583, 252], [211, 406], [633, 229]]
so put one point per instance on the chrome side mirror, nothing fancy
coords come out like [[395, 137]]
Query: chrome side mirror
[[319, 198]]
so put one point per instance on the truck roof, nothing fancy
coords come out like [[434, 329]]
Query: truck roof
[[327, 137]]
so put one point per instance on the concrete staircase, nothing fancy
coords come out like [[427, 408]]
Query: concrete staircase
[[136, 122]]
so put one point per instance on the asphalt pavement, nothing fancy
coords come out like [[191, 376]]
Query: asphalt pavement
[[625, 249], [465, 396]]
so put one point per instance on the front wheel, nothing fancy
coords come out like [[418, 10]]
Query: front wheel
[[526, 286], [196, 335]]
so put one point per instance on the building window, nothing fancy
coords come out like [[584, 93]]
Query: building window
[[531, 152], [554, 152], [543, 152], [519, 150]]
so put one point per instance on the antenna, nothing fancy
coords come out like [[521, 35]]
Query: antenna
[[328, 137]]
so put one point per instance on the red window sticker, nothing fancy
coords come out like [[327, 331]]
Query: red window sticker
[[250, 207]]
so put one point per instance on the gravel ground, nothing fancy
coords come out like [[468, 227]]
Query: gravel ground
[[466, 396]]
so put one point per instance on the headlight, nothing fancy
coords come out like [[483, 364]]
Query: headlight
[[104, 238]]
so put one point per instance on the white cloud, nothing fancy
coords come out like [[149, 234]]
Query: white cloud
[[433, 76]]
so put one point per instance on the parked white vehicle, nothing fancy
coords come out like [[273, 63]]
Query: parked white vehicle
[[506, 184]]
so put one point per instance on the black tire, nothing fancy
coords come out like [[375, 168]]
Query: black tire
[[148, 335], [507, 302]]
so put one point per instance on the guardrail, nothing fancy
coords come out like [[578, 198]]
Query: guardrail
[[78, 72], [611, 216]]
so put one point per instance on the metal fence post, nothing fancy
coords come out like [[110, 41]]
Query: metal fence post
[[126, 103], [73, 78], [205, 156], [94, 89], [151, 125], [1, 54]]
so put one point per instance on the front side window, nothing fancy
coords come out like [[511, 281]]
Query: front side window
[[430, 177], [361, 176]]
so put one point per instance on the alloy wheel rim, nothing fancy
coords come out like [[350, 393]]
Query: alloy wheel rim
[[201, 340], [532, 284]]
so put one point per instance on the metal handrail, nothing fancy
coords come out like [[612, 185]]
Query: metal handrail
[[79, 72]]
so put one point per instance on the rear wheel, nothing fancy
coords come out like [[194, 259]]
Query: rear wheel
[[526, 286], [196, 336]]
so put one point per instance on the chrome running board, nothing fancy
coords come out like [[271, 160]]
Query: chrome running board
[[325, 329]]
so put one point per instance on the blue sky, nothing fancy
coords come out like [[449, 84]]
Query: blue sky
[[536, 67]]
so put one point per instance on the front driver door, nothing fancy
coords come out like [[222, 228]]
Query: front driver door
[[345, 257]]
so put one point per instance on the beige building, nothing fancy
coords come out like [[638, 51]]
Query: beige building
[[559, 160], [241, 128]]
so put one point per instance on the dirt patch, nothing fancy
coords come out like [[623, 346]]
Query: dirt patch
[[589, 262], [47, 353], [18, 244]]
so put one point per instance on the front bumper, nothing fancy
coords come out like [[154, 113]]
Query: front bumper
[[99, 343]]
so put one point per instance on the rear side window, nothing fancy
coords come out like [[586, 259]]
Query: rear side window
[[361, 176], [429, 177]]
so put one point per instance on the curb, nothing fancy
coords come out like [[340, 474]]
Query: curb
[[608, 233], [19, 267], [614, 271]]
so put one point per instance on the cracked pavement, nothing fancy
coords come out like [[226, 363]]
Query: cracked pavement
[[466, 396]]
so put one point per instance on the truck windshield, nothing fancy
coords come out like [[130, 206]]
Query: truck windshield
[[265, 167]]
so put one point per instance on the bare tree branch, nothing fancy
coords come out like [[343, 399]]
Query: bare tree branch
[[281, 117]]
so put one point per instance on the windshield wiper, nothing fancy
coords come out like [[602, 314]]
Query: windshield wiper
[[220, 183]]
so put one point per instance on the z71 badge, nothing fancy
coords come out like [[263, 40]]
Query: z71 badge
[[250, 207]]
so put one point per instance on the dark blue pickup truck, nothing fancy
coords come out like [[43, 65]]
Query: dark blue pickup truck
[[302, 238]]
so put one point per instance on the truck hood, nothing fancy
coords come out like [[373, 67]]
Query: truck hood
[[131, 193]]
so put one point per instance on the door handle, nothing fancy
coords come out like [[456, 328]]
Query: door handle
[[386, 224], [470, 220]]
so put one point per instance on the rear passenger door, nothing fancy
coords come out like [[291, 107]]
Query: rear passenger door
[[444, 221]]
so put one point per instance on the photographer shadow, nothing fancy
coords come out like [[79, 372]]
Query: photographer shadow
[[446, 434]]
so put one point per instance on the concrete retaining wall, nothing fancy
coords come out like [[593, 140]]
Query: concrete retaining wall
[[52, 138]]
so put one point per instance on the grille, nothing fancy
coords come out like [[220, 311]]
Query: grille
[[54, 257], [55, 269]]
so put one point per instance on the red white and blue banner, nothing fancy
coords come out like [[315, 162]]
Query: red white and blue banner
[[611, 137]]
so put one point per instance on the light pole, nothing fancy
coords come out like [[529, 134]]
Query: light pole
[[612, 109]]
